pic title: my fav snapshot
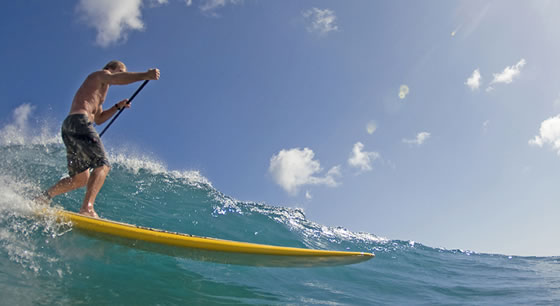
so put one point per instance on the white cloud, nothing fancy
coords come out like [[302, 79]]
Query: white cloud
[[420, 138], [322, 21], [509, 73], [112, 19], [361, 159], [334, 171], [115, 19], [158, 2], [210, 6], [403, 91], [474, 81], [296, 167], [549, 133]]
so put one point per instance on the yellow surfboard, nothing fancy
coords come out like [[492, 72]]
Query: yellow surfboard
[[209, 249]]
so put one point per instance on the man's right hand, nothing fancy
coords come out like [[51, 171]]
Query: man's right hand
[[153, 74]]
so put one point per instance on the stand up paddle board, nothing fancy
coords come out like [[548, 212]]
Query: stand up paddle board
[[205, 248]]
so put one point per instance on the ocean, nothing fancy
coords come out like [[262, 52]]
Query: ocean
[[43, 262]]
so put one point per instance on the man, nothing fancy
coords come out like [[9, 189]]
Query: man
[[84, 149]]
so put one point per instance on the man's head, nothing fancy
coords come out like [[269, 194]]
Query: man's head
[[115, 66]]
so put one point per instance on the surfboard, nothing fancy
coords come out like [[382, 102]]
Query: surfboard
[[206, 248]]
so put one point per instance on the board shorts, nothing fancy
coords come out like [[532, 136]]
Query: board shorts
[[84, 149]]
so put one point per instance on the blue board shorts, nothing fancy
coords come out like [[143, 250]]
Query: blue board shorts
[[84, 149]]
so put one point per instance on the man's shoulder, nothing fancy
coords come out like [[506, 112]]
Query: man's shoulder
[[99, 73], [98, 76]]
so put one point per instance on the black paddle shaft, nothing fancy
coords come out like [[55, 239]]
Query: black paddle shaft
[[122, 109]]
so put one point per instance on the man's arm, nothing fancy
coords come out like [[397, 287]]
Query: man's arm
[[104, 115], [123, 78]]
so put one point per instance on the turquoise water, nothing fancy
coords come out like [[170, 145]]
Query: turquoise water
[[42, 262]]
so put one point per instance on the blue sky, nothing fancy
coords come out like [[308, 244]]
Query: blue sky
[[432, 121]]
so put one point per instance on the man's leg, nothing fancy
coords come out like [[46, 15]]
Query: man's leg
[[94, 184], [65, 185]]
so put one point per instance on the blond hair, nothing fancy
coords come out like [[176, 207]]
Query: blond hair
[[113, 65]]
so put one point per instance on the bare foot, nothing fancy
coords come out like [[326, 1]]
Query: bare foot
[[88, 211], [92, 213]]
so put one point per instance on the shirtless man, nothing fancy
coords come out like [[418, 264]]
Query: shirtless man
[[84, 149]]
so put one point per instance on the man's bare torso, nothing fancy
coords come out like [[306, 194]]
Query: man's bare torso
[[90, 97]]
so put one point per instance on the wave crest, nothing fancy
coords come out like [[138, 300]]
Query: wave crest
[[20, 132]]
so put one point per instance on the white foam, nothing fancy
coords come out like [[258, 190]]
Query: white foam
[[20, 132], [295, 220], [228, 204], [19, 228], [135, 163], [12, 198]]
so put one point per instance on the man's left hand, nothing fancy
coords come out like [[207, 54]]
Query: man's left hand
[[124, 103]]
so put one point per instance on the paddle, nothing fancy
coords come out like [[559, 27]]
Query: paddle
[[122, 109]]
